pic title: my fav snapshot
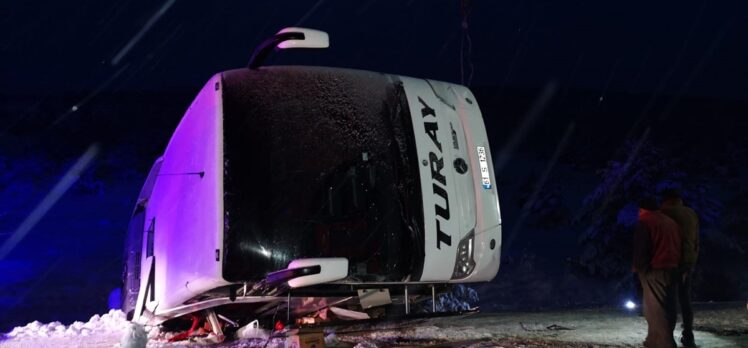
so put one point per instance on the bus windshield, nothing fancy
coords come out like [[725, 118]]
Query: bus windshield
[[319, 162]]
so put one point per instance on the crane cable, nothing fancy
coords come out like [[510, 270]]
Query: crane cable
[[465, 7]]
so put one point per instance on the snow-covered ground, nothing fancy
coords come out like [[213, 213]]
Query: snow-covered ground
[[100, 331], [718, 325]]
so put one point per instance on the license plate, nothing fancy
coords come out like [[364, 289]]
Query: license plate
[[485, 177]]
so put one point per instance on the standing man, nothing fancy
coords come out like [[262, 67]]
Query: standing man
[[657, 254], [688, 223]]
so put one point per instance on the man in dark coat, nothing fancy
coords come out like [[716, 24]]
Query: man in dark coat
[[657, 254], [688, 223]]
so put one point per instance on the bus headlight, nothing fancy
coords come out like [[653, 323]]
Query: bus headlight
[[464, 263]]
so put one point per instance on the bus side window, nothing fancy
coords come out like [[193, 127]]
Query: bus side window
[[149, 246]]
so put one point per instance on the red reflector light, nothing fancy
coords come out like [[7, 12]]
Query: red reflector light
[[279, 326]]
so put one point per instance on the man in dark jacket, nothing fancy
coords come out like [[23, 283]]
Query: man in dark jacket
[[688, 223], [657, 254]]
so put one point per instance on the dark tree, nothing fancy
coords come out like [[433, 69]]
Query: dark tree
[[610, 211]]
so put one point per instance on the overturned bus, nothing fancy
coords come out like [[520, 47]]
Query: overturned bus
[[296, 188]]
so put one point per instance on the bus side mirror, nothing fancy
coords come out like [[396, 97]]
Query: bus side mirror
[[292, 37], [330, 270], [311, 38]]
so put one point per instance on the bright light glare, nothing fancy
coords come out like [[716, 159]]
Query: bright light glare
[[630, 305], [265, 252]]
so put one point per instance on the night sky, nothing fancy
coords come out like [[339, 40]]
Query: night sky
[[582, 100], [692, 47]]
